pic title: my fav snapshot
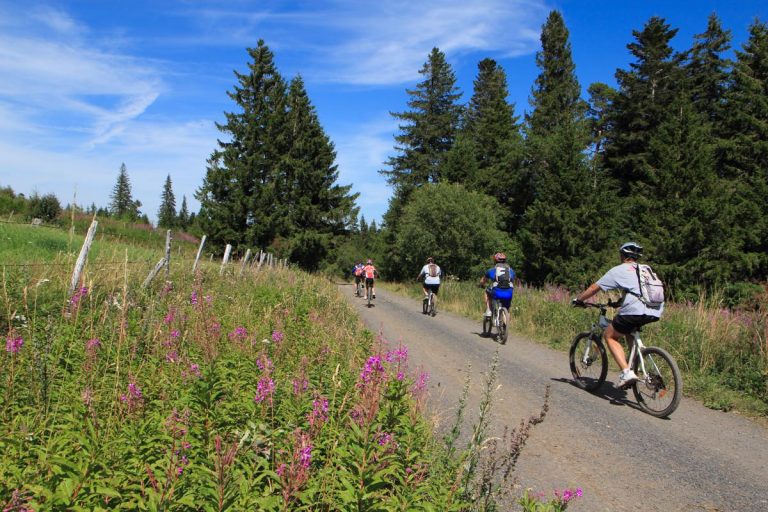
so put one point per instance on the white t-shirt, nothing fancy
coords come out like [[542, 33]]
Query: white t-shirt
[[624, 277], [429, 279]]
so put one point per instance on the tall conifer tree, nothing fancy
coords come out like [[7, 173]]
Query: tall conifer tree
[[646, 93], [122, 204], [239, 192], [559, 245], [166, 215], [745, 152], [708, 70]]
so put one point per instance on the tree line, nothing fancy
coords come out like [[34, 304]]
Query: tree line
[[675, 157]]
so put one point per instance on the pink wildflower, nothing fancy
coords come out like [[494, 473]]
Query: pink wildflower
[[277, 336], [13, 344], [264, 390]]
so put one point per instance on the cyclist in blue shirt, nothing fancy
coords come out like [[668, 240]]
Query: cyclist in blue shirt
[[499, 279]]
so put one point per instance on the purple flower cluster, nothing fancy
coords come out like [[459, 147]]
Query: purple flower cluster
[[193, 298], [133, 398], [78, 296], [421, 382], [91, 346], [264, 390], [399, 355], [319, 414], [13, 344], [277, 336], [239, 334], [568, 495], [372, 370]]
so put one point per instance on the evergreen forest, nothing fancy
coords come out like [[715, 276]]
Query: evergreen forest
[[674, 157]]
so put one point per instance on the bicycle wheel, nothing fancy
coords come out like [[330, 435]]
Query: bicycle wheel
[[589, 361], [658, 391], [487, 325], [369, 293], [432, 305], [425, 306], [503, 321]]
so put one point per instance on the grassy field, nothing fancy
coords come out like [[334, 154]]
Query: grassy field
[[722, 353], [258, 391]]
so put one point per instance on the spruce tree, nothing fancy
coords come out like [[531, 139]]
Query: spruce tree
[[183, 218], [708, 70], [559, 243], [166, 215], [492, 127], [646, 93], [428, 129], [122, 204], [315, 207], [744, 153], [238, 195]]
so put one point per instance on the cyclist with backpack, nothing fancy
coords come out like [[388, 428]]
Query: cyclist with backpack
[[431, 274], [499, 279], [357, 271], [370, 273], [642, 303]]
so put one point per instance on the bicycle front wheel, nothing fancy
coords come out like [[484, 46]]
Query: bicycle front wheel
[[658, 391], [503, 322], [589, 361]]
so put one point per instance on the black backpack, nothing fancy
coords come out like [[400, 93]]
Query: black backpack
[[503, 276]]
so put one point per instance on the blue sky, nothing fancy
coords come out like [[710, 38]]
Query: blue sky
[[88, 85]]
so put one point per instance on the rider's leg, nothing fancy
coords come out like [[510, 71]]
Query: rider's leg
[[487, 296], [611, 337]]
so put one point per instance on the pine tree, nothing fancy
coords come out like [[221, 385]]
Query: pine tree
[[428, 129], [559, 245], [316, 207], [183, 218], [744, 153], [708, 71], [166, 215], [122, 204], [646, 94], [492, 127], [239, 192]]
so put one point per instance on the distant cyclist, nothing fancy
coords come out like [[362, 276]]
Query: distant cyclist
[[370, 273], [633, 312], [499, 280], [357, 271], [431, 274]]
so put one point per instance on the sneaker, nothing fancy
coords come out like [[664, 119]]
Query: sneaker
[[626, 379], [487, 313]]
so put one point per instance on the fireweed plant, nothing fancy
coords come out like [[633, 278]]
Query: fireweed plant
[[256, 392]]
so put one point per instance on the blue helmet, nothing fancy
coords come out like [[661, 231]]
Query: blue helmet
[[631, 250]]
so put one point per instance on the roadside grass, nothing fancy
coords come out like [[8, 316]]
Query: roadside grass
[[723, 354]]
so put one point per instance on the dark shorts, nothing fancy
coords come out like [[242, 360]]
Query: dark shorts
[[434, 287], [626, 324], [369, 282], [358, 279]]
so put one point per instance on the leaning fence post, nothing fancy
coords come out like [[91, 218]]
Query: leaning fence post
[[167, 253], [83, 256], [226, 258], [199, 252], [245, 261], [153, 272]]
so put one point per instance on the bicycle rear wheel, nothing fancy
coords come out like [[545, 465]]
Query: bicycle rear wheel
[[658, 391], [425, 306], [589, 361], [503, 323], [369, 294], [432, 305]]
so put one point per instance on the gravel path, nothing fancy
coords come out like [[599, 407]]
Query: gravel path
[[624, 459]]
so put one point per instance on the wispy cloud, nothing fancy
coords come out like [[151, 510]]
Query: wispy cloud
[[59, 78], [380, 43]]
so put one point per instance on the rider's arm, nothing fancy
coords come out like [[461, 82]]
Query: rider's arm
[[589, 292]]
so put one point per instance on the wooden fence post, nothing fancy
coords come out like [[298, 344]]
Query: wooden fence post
[[167, 254], [83, 256], [245, 261], [153, 272], [199, 252], [226, 258]]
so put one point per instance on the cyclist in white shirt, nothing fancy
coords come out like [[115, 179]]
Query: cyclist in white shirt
[[632, 314], [431, 274]]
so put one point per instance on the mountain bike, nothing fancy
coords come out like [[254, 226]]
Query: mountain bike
[[428, 306], [660, 387], [499, 319]]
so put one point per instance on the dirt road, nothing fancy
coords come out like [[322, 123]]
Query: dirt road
[[624, 459]]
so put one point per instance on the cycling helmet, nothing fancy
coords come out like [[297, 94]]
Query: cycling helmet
[[631, 250], [499, 257], [369, 262], [430, 259]]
